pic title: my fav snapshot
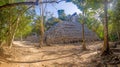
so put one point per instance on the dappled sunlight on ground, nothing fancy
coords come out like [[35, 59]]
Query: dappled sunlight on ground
[[57, 55]]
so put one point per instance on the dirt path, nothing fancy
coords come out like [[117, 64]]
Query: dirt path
[[68, 55]]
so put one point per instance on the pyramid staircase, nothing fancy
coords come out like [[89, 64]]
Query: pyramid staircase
[[68, 32]]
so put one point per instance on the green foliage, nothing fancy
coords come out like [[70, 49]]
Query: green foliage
[[2, 2], [115, 21], [13, 21], [47, 23], [25, 23], [94, 17], [85, 4], [51, 21], [25, 31], [37, 23]]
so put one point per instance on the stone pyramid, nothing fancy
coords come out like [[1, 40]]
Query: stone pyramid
[[67, 32]]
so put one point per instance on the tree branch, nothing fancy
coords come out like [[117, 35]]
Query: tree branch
[[24, 3]]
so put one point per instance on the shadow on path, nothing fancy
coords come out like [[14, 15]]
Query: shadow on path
[[36, 61]]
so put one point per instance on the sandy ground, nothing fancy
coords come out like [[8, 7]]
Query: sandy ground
[[25, 54]]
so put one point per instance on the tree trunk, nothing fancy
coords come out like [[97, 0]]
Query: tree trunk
[[41, 25], [83, 38], [0, 42], [83, 33], [12, 39], [106, 49], [9, 43], [118, 35], [12, 32], [41, 33], [21, 38]]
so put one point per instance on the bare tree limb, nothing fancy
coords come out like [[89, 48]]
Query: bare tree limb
[[24, 3]]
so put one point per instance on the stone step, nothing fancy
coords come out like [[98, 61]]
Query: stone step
[[69, 27], [115, 49], [68, 24]]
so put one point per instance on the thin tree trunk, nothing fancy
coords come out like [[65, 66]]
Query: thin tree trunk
[[12, 39], [83, 38], [118, 35], [83, 33], [41, 25], [13, 31], [9, 30], [41, 34], [0, 42], [106, 49], [21, 38], [9, 36], [13, 28]]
